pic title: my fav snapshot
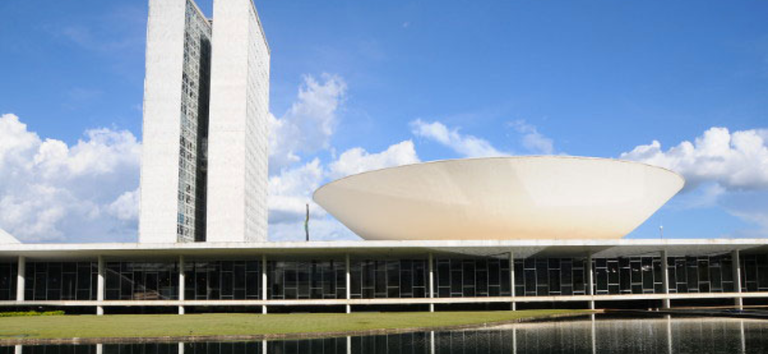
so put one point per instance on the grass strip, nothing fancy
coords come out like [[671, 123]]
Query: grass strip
[[132, 326]]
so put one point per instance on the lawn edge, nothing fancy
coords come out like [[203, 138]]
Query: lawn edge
[[280, 336]]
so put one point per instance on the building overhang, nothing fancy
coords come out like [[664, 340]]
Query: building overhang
[[384, 249]]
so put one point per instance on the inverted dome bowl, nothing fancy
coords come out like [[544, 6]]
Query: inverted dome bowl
[[536, 197]]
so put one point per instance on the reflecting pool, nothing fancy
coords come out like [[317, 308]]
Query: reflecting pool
[[590, 335]]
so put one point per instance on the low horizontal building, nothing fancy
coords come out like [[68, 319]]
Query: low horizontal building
[[421, 274], [500, 204]]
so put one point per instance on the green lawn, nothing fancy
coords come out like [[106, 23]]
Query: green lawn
[[89, 326]]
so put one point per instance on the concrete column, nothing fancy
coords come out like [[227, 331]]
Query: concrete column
[[665, 279], [100, 285], [182, 285], [736, 259], [512, 279], [100, 349], [349, 283], [22, 269], [590, 282], [431, 282], [264, 283], [18, 349]]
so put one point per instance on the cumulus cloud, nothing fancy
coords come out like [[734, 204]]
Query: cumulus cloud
[[291, 190], [357, 160], [465, 145], [304, 131], [50, 191], [723, 169], [532, 140], [126, 206], [309, 124], [735, 161]]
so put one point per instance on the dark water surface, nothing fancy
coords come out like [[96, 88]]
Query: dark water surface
[[663, 335]]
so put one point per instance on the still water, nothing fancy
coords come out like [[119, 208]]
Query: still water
[[663, 335]]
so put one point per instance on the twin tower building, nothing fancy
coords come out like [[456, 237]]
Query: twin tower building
[[206, 98]]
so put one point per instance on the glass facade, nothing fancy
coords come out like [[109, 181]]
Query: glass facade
[[289, 280], [371, 279], [141, 281], [550, 276], [701, 274], [754, 273], [381, 278], [471, 277], [60, 281], [222, 280], [634, 275], [196, 80], [8, 273]]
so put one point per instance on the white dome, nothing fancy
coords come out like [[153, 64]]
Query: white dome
[[535, 197]]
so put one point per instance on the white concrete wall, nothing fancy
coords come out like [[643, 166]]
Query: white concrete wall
[[237, 143], [162, 104]]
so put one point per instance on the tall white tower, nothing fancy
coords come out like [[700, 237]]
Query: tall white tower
[[176, 96], [237, 145]]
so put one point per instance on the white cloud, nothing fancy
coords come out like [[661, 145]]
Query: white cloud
[[357, 160], [291, 190], [736, 161], [465, 145], [308, 125], [306, 129], [532, 140], [50, 191], [126, 206], [723, 169]]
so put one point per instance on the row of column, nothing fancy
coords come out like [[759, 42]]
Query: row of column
[[735, 256]]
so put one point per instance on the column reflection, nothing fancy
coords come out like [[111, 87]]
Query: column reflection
[[432, 342], [743, 339], [349, 345], [669, 333], [514, 339], [594, 336]]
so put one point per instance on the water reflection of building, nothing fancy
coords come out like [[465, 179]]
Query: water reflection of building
[[640, 336], [477, 233]]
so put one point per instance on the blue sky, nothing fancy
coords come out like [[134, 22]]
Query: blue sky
[[381, 79]]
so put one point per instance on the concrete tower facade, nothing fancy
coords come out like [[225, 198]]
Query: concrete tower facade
[[176, 97], [238, 144]]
